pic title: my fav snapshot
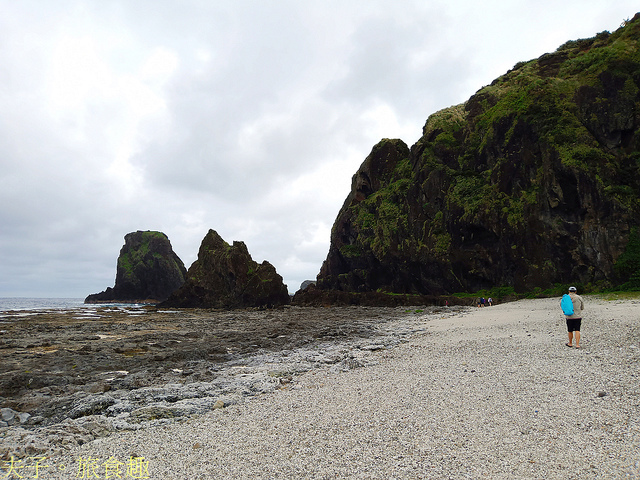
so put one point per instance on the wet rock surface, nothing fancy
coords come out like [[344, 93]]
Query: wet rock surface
[[69, 377]]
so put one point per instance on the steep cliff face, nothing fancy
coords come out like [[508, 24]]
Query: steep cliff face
[[534, 181], [147, 270], [225, 276]]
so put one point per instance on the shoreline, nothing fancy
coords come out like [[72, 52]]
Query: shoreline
[[488, 392], [70, 378]]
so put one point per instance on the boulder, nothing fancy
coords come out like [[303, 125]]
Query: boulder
[[148, 270], [225, 276]]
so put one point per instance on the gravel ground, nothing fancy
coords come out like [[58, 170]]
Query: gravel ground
[[492, 393]]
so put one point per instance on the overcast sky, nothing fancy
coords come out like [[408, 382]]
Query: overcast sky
[[246, 117]]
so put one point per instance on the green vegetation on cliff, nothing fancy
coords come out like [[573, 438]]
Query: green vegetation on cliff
[[533, 182], [143, 254], [382, 218]]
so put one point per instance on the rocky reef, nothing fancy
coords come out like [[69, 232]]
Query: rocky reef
[[148, 270], [225, 276], [68, 377], [533, 182]]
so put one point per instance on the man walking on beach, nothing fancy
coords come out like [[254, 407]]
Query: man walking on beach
[[574, 320]]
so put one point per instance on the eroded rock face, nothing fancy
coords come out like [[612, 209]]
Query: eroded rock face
[[532, 182], [225, 276], [148, 270]]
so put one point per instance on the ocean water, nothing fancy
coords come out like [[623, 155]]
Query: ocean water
[[8, 304], [15, 307]]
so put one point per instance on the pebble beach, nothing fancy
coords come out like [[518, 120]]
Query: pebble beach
[[487, 393]]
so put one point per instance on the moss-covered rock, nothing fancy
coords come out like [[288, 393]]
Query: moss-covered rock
[[225, 276], [148, 270], [534, 181]]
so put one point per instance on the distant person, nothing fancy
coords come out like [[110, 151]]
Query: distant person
[[490, 301], [482, 302], [574, 320]]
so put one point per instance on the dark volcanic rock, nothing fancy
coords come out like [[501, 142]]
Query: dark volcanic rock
[[148, 270], [534, 181], [225, 276]]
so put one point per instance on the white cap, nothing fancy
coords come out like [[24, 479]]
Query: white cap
[[572, 289]]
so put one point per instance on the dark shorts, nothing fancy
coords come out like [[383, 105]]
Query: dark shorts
[[573, 324]]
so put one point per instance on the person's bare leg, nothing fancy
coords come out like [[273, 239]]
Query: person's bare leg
[[577, 338], [570, 338]]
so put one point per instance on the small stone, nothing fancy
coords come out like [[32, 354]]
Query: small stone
[[602, 394], [9, 416], [197, 445], [218, 405], [23, 417]]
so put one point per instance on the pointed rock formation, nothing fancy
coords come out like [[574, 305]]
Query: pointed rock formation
[[225, 276], [148, 270]]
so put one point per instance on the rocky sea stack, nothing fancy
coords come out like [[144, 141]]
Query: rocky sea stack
[[533, 182], [148, 270], [225, 276]]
